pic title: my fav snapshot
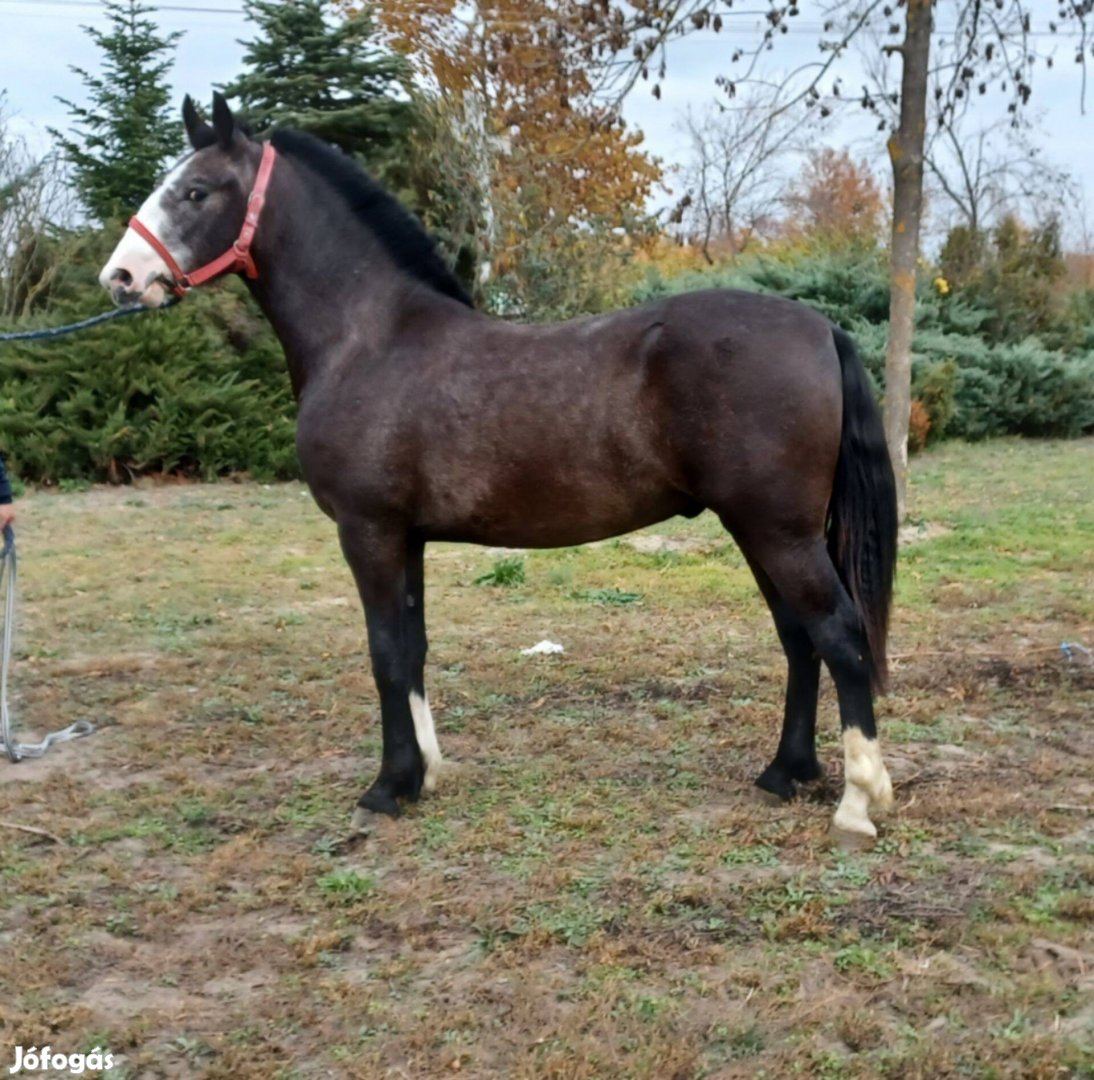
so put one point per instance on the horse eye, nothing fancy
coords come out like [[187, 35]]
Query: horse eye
[[195, 195]]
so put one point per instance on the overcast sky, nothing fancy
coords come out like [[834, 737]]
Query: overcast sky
[[40, 39]]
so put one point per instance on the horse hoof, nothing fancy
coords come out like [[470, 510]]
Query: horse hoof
[[768, 798], [881, 800], [775, 786], [432, 775], [846, 840], [852, 829], [375, 802], [361, 822]]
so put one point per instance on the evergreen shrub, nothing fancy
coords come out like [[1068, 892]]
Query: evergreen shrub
[[200, 389], [966, 386]]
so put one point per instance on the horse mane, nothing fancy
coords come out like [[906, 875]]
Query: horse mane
[[400, 233]]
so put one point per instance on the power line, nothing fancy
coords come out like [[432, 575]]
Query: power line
[[37, 5], [794, 28]]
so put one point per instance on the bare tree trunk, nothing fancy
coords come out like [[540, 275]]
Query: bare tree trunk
[[906, 154]]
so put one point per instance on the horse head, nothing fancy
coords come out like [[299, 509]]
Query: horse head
[[194, 216]]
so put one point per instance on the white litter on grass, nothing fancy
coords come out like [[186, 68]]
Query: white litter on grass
[[542, 647]]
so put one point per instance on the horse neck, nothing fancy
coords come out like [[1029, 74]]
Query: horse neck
[[324, 279]]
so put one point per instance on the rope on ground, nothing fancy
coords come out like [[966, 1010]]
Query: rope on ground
[[32, 829], [1069, 649], [17, 751]]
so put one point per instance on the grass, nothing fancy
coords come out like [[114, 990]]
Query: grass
[[594, 893], [506, 573]]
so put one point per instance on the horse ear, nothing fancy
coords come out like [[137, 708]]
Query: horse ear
[[224, 123], [198, 131]]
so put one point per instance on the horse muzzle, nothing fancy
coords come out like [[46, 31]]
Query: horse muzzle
[[136, 274], [124, 291]]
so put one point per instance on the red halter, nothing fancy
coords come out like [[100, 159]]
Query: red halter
[[238, 256]]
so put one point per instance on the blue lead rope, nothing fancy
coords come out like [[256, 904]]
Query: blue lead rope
[[57, 331], [17, 751]]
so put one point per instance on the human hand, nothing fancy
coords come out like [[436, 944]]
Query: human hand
[[7, 514]]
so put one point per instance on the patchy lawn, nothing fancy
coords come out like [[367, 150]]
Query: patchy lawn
[[595, 892]]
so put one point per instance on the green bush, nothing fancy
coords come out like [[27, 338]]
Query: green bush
[[199, 389], [1025, 390], [847, 286], [969, 387]]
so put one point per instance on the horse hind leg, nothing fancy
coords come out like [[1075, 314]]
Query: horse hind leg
[[807, 582], [796, 757]]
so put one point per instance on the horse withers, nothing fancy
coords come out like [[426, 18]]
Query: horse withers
[[423, 419]]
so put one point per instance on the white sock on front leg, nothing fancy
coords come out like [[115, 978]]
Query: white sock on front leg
[[426, 735]]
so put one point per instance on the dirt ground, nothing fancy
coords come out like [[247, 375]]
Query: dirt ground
[[595, 891]]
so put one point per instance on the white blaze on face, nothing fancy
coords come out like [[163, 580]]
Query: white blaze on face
[[137, 258], [866, 784], [427, 739]]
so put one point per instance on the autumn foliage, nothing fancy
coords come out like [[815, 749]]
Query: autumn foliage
[[919, 426], [835, 200], [558, 167]]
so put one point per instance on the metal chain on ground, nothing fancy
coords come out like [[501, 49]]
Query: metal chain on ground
[[17, 751]]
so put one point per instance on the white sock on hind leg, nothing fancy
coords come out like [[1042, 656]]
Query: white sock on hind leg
[[866, 784]]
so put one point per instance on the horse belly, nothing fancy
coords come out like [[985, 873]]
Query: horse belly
[[550, 511]]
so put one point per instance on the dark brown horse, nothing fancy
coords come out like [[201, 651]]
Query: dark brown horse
[[422, 419]]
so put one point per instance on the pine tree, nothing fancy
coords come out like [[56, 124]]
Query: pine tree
[[325, 77], [121, 139]]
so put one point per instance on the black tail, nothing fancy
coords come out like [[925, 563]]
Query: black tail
[[862, 514]]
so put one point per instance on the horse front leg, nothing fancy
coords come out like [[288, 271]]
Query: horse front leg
[[424, 731], [378, 558]]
